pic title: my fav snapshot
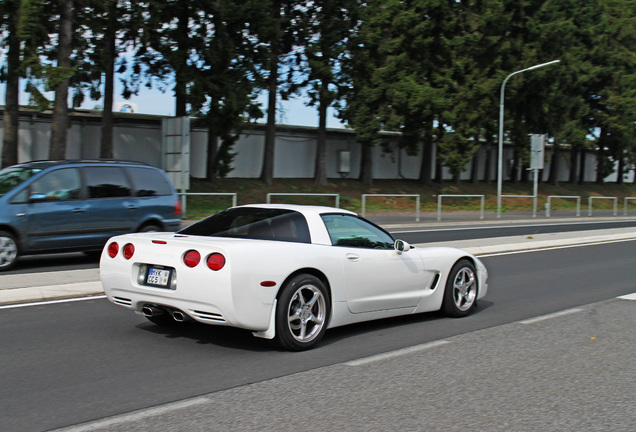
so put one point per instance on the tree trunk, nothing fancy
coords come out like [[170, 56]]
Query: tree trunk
[[366, 165], [60, 121], [106, 147], [426, 169], [320, 175], [476, 162], [621, 169], [12, 107], [574, 165], [555, 166], [582, 166], [213, 146], [267, 174], [488, 164]]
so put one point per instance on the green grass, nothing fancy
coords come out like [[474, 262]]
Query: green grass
[[252, 191]]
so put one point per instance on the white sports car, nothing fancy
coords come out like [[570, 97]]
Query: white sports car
[[286, 272]]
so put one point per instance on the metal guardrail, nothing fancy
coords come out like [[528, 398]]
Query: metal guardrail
[[186, 194], [625, 204], [270, 195], [548, 205], [417, 202], [534, 201], [615, 199], [439, 203]]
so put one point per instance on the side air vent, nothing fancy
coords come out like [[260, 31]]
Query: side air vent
[[122, 301], [209, 316], [435, 281]]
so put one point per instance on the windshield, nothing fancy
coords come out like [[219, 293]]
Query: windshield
[[254, 223], [12, 177]]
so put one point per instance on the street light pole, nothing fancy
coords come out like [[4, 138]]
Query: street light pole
[[501, 122]]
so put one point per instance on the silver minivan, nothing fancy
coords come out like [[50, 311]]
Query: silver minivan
[[64, 206]]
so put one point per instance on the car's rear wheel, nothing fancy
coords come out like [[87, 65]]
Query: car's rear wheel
[[302, 312], [9, 251], [460, 295]]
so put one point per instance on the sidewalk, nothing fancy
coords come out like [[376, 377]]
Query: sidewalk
[[78, 283]]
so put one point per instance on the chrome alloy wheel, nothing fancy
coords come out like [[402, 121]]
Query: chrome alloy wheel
[[8, 251], [307, 313], [464, 289]]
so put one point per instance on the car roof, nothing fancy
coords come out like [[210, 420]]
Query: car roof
[[304, 209]]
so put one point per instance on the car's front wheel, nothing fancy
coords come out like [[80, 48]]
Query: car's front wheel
[[9, 250], [460, 295], [302, 312]]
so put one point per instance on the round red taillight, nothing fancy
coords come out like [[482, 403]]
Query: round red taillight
[[128, 251], [113, 248], [192, 258], [216, 261]]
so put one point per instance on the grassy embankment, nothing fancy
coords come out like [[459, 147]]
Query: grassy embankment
[[251, 191]]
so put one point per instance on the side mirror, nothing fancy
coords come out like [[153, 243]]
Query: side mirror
[[401, 246], [37, 197]]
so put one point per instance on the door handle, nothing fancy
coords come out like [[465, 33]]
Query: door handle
[[79, 210], [353, 257]]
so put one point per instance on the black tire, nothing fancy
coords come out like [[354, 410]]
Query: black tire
[[302, 313], [460, 295], [9, 251], [150, 228]]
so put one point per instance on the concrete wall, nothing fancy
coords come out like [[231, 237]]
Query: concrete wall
[[139, 138]]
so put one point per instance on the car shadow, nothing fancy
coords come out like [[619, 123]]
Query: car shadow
[[338, 334], [204, 334], [234, 338]]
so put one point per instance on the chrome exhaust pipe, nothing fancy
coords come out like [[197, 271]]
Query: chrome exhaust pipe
[[179, 316], [150, 311]]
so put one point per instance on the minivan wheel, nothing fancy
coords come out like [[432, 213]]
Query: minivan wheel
[[150, 228], [9, 251]]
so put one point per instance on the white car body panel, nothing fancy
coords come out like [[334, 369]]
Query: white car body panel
[[363, 284]]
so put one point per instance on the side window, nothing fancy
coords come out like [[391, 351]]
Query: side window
[[59, 185], [106, 182], [351, 231], [149, 182]]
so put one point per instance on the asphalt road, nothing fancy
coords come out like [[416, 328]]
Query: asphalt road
[[412, 233], [68, 363]]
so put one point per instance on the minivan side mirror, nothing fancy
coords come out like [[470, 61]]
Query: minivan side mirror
[[37, 197], [401, 246]]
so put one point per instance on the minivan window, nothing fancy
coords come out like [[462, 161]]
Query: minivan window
[[59, 185], [106, 182], [149, 182], [14, 176]]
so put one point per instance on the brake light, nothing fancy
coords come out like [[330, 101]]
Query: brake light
[[192, 258], [113, 248], [128, 251], [177, 207], [215, 261]]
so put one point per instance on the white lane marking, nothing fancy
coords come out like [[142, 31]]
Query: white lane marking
[[396, 353], [469, 228], [136, 416], [628, 297], [48, 302], [541, 249], [550, 316]]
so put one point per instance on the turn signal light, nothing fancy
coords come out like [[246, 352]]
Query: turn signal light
[[192, 258], [113, 248], [128, 251], [216, 261]]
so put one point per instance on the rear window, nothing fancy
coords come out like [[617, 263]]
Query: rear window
[[149, 182], [106, 182], [254, 223]]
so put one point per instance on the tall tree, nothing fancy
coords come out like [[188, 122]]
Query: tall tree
[[329, 26], [11, 11], [59, 81]]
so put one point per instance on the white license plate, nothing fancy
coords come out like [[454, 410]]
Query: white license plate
[[158, 277]]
